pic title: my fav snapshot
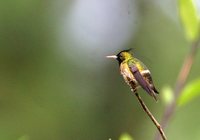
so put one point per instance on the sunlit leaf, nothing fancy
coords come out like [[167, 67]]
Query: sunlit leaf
[[167, 94], [190, 18], [191, 91], [125, 136]]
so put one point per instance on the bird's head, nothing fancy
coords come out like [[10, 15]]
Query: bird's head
[[122, 56]]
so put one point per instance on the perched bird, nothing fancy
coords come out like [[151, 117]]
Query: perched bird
[[135, 73]]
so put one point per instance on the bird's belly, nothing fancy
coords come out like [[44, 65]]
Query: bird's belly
[[127, 74], [130, 79]]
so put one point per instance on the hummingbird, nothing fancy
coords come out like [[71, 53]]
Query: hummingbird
[[135, 73]]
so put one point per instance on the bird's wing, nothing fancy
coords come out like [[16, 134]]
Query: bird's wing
[[142, 82], [147, 76]]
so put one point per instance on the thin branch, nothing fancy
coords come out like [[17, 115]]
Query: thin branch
[[180, 83], [145, 108]]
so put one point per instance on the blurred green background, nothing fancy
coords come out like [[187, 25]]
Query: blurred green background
[[56, 84]]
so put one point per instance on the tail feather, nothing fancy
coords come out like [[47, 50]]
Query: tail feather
[[154, 96], [155, 90]]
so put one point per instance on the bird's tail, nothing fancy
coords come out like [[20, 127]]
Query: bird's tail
[[155, 90], [154, 96]]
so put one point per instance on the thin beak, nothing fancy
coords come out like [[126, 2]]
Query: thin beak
[[112, 56]]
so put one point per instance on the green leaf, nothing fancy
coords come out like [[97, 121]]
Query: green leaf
[[125, 136], [191, 91], [167, 94], [190, 18]]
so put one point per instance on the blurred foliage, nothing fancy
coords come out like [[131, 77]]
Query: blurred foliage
[[50, 90], [24, 137], [167, 95], [190, 19], [190, 92], [125, 136]]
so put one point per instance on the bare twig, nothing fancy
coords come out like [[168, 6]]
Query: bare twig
[[180, 83], [145, 108]]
